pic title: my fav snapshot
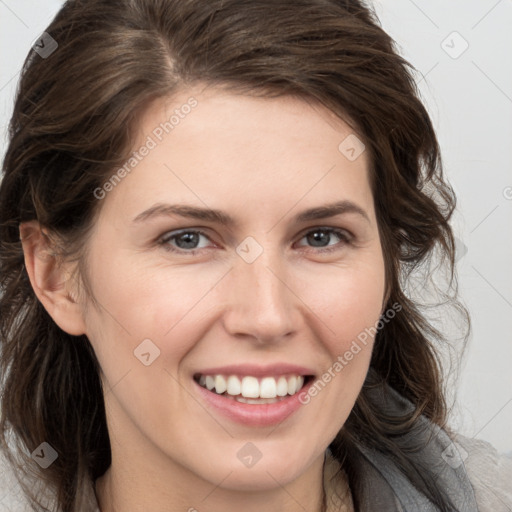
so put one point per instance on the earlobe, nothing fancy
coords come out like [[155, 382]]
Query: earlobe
[[50, 280]]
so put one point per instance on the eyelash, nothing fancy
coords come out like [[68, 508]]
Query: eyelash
[[345, 237]]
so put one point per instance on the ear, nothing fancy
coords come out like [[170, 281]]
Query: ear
[[50, 279]]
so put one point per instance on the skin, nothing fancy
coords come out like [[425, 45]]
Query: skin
[[262, 161]]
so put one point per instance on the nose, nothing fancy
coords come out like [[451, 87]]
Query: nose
[[261, 305]]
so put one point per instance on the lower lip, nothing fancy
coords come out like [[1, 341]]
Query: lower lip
[[257, 415]]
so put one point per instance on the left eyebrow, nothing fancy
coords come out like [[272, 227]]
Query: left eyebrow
[[211, 215], [331, 210]]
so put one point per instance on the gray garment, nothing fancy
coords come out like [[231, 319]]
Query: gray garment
[[385, 487], [475, 476]]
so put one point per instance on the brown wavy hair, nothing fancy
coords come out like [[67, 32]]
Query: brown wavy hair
[[72, 124]]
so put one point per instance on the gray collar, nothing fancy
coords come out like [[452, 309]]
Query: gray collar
[[383, 487]]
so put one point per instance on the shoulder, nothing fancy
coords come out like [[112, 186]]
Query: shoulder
[[12, 497], [469, 471], [489, 472]]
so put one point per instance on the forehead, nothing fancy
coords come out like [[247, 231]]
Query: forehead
[[202, 108], [208, 146]]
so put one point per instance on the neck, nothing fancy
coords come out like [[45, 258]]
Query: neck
[[141, 474], [128, 492]]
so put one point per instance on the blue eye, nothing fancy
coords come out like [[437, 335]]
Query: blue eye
[[187, 241], [320, 238]]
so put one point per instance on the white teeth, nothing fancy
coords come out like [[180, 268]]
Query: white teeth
[[282, 386], [210, 382], [292, 385], [234, 386], [255, 400], [220, 384], [250, 387], [267, 388]]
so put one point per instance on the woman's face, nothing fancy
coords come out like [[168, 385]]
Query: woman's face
[[269, 288]]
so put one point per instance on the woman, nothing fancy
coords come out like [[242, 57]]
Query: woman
[[209, 212]]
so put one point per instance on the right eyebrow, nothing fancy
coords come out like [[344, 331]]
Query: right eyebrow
[[192, 212]]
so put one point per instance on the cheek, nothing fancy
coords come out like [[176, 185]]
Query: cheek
[[349, 305], [147, 320], [348, 301], [138, 301]]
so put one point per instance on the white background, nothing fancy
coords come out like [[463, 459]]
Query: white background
[[470, 101]]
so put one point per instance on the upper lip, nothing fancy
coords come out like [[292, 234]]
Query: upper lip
[[255, 370]]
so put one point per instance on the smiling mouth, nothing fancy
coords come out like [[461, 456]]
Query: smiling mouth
[[253, 390]]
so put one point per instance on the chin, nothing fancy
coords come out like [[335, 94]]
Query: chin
[[271, 470], [265, 478]]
